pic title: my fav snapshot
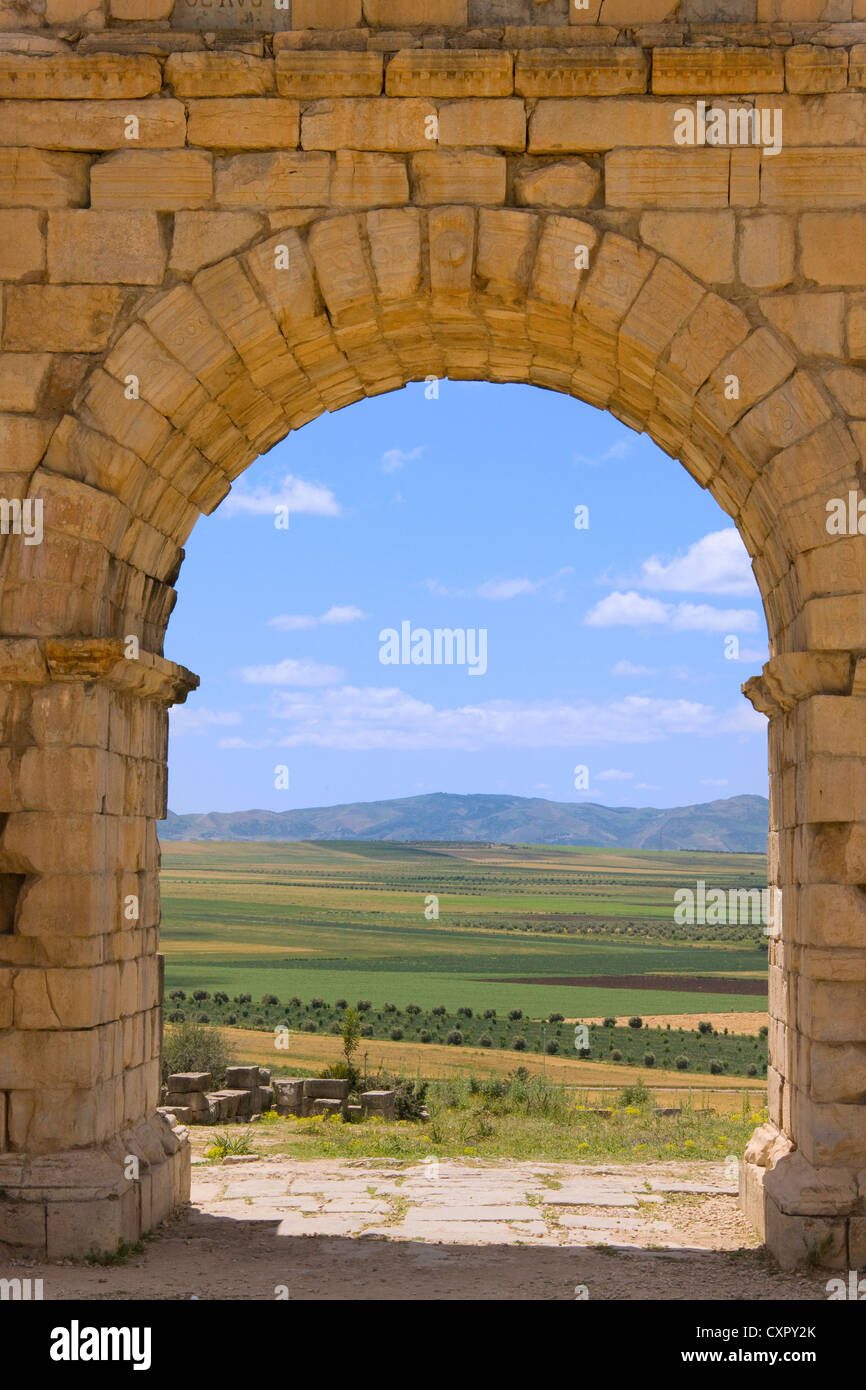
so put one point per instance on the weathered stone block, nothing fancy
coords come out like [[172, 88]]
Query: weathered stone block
[[201, 238], [394, 14], [219, 75], [445, 73], [326, 1088], [102, 76], [812, 68], [699, 71], [363, 179], [92, 125], [61, 318], [251, 123], [702, 242], [373, 123], [766, 258], [587, 72], [312, 74], [281, 180], [558, 127], [480, 122], [183, 1082], [570, 184], [105, 247], [459, 178], [667, 178], [325, 14], [42, 179], [378, 1103], [162, 180]]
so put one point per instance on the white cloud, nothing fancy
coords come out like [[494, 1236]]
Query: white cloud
[[393, 459], [243, 743], [299, 496], [499, 589], [632, 609], [716, 564], [183, 720], [628, 668], [291, 672], [617, 450], [297, 622], [743, 718], [351, 717], [613, 774], [646, 787], [754, 656], [714, 782]]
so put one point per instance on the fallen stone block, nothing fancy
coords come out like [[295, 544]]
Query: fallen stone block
[[242, 1078], [379, 1103], [180, 1113], [324, 1106], [265, 1097], [183, 1082], [195, 1101], [264, 1076], [288, 1094], [669, 1110], [326, 1088], [354, 1112]]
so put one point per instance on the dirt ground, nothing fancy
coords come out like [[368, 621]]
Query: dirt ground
[[444, 1230]]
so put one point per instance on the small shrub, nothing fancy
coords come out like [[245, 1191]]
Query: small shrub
[[682, 1062], [705, 1026], [190, 1047], [515, 1014], [485, 1040], [413, 1008], [635, 1022], [609, 1023], [270, 1000], [409, 1099], [179, 994], [649, 1059], [439, 1010], [552, 1047], [363, 1006], [177, 1017], [489, 1013], [638, 1093], [424, 1036], [395, 1034], [464, 1013], [309, 1025], [341, 1004], [751, 1069], [616, 1055], [518, 1044], [716, 1067], [200, 994], [555, 1018], [366, 1030], [455, 1037], [202, 1018]]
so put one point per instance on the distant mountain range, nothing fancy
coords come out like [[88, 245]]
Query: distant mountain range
[[736, 824]]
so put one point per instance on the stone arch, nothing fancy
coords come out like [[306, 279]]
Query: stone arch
[[228, 362], [174, 381]]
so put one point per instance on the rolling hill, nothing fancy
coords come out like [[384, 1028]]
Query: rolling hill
[[736, 824]]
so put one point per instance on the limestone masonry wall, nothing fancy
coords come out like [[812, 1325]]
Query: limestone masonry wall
[[218, 221]]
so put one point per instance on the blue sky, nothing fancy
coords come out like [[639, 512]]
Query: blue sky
[[605, 646]]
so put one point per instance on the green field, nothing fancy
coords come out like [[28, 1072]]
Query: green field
[[347, 920]]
